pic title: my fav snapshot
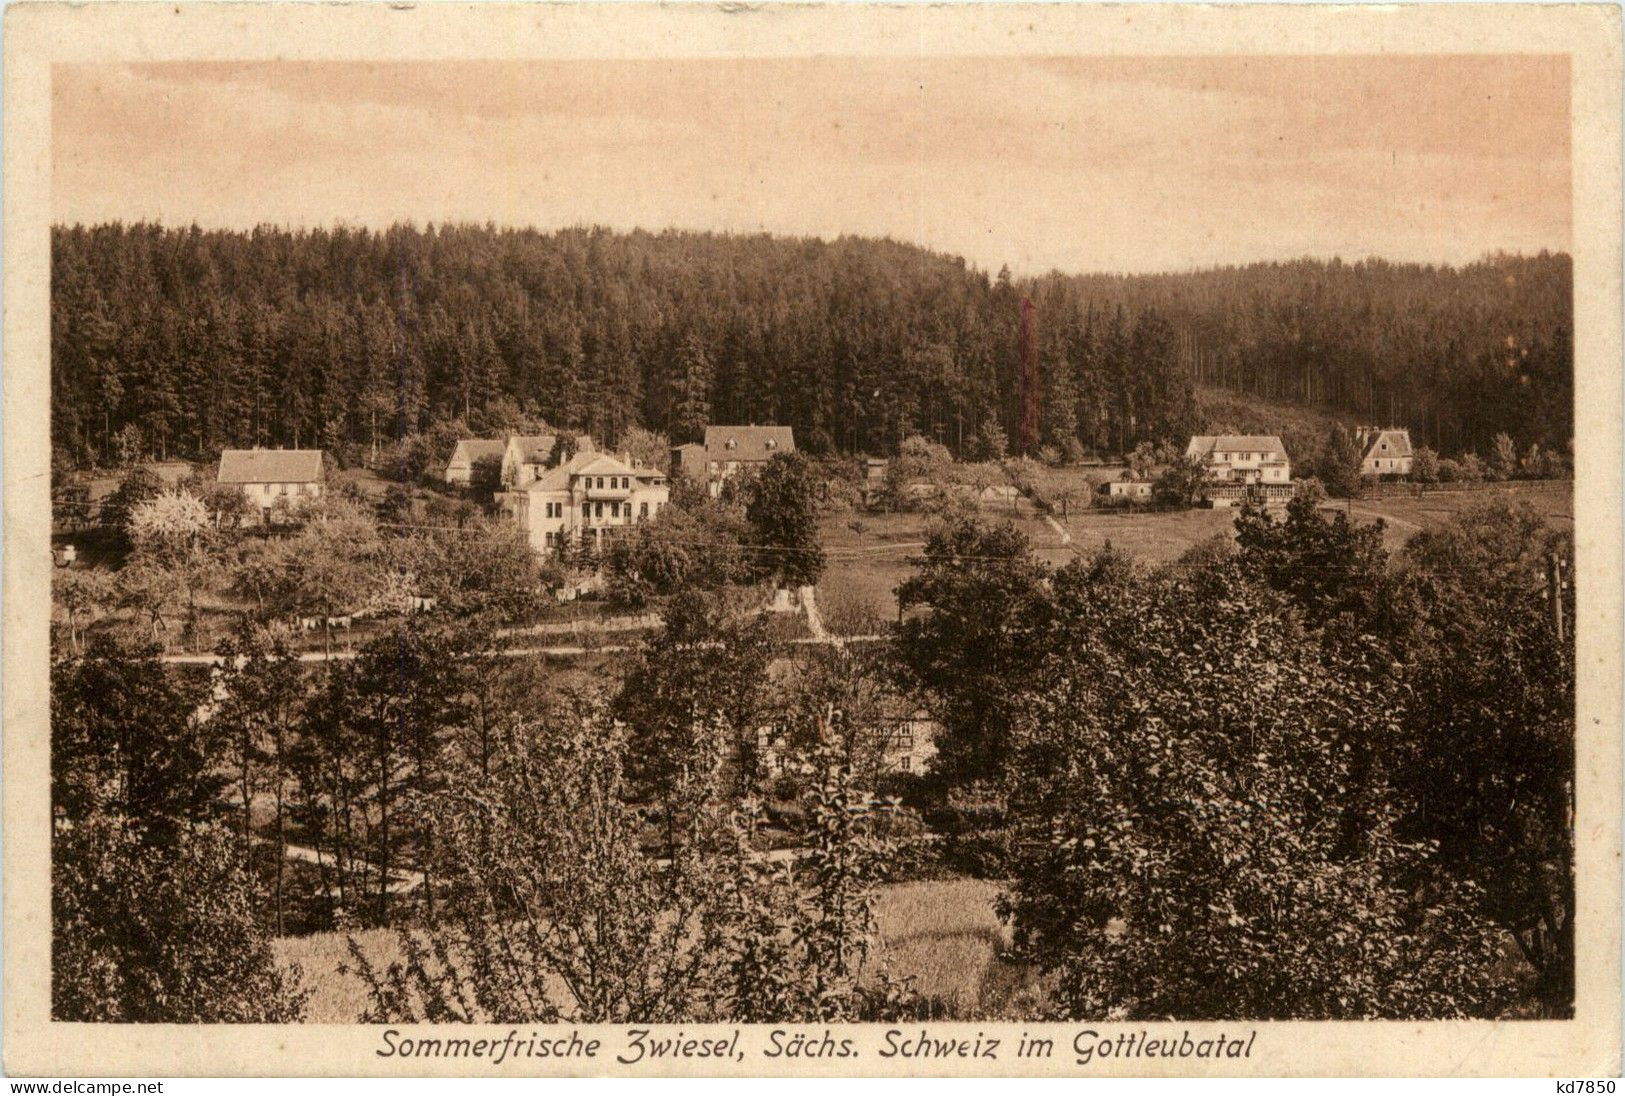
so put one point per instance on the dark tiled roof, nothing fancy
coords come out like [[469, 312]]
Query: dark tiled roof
[[470, 450], [1398, 442], [270, 466], [747, 443], [538, 448]]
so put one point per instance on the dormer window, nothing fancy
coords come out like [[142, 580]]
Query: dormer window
[[772, 443], [732, 444]]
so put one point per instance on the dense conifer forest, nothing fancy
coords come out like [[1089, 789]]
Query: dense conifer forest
[[352, 339]]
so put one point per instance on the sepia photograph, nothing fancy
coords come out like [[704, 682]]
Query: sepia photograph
[[793, 542]]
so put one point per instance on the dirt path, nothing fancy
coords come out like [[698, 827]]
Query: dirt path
[[402, 882], [565, 651], [1066, 537], [1367, 512], [815, 619], [578, 627]]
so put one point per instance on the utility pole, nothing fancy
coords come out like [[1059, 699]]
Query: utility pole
[[1554, 593]]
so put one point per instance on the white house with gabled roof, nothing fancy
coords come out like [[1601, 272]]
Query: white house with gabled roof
[[586, 498], [266, 476], [1242, 458], [1385, 451], [527, 457]]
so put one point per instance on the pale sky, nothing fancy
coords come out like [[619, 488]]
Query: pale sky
[[1081, 164]]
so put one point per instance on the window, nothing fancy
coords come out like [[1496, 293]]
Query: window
[[550, 539], [598, 510], [903, 739], [614, 509], [643, 510], [905, 762], [586, 511]]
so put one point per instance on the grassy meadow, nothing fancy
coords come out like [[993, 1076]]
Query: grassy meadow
[[1407, 515], [869, 553], [944, 935]]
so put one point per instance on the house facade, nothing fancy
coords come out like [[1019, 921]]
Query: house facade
[[267, 476], [1242, 458], [585, 499], [911, 743], [1134, 490], [907, 743], [526, 457], [729, 450], [1385, 451], [460, 468]]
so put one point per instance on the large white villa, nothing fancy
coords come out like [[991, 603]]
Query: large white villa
[[585, 499], [1242, 458]]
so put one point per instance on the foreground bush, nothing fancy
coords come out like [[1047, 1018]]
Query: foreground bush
[[556, 910], [1208, 829], [150, 932]]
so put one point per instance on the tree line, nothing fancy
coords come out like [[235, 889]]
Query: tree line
[[176, 342]]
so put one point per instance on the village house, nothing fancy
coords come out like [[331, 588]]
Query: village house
[[1385, 451], [1244, 467], [525, 457], [585, 499], [908, 742], [873, 487], [268, 477], [911, 742], [1129, 490], [468, 452], [1242, 458], [727, 450]]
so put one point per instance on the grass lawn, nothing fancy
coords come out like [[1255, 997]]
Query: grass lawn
[[944, 935], [868, 555], [1407, 516], [1150, 536]]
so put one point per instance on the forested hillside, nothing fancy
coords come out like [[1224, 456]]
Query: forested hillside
[[350, 340]]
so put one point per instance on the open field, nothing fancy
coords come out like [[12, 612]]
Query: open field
[[1150, 536], [868, 555], [1553, 500], [943, 935]]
